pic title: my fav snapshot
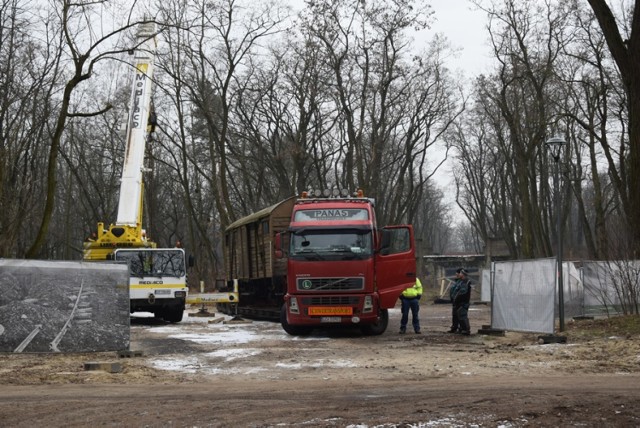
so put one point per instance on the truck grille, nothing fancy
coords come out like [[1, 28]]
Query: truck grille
[[331, 300], [330, 284]]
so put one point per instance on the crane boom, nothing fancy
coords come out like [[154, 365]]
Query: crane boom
[[130, 203], [127, 231], [157, 276]]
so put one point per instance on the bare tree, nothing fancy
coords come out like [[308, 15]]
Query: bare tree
[[392, 106], [623, 39], [74, 18], [223, 38], [29, 61], [517, 100], [433, 222], [286, 120]]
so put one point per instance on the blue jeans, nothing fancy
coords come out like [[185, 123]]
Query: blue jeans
[[414, 306]]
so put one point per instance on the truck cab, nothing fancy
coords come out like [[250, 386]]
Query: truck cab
[[158, 280], [342, 269]]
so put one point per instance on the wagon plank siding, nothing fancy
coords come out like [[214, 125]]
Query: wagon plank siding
[[249, 243]]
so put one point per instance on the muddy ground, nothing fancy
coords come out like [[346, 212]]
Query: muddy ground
[[207, 373]]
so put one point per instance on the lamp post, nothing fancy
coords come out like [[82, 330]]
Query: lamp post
[[554, 145]]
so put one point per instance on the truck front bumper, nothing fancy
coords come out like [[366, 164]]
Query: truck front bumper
[[327, 310]]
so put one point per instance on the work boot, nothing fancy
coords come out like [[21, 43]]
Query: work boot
[[402, 331], [465, 327], [452, 330], [418, 332]]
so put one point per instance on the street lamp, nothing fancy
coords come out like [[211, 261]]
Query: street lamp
[[554, 145]]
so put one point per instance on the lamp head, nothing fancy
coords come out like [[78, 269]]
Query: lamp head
[[554, 145]]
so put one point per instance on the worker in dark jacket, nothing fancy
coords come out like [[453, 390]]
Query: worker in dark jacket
[[410, 300], [460, 294]]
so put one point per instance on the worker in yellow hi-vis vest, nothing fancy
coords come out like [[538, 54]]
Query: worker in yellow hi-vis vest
[[410, 300]]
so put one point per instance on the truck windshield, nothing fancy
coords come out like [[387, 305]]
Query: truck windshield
[[157, 263], [317, 244]]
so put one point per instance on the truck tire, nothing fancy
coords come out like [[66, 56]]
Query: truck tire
[[293, 330], [225, 308], [379, 327], [173, 315]]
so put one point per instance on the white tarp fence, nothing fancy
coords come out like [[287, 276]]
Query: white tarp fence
[[524, 295], [598, 284], [607, 282], [573, 290], [485, 284]]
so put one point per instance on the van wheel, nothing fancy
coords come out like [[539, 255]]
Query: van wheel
[[379, 327], [293, 330]]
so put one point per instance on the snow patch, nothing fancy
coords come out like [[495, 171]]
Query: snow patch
[[234, 354]]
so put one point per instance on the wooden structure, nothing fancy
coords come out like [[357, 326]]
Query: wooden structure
[[249, 257]]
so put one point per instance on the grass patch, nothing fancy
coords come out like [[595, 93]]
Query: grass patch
[[623, 325]]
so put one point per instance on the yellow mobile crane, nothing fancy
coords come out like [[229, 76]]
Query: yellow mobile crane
[[158, 277]]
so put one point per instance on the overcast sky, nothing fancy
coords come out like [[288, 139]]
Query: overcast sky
[[465, 27]]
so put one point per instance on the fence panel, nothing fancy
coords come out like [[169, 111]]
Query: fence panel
[[524, 295], [573, 290], [60, 306], [607, 282], [485, 291]]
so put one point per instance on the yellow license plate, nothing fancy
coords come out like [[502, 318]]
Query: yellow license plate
[[330, 310]]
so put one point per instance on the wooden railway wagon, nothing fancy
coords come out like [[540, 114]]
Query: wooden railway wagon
[[249, 260]]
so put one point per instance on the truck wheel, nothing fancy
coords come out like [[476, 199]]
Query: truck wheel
[[293, 330], [224, 308], [173, 314], [379, 327]]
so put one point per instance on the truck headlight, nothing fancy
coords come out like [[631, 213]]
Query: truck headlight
[[293, 306], [368, 304]]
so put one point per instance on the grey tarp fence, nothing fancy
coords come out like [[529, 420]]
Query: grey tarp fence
[[60, 306]]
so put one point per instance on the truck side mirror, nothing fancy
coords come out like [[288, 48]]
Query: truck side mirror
[[281, 244], [278, 246], [191, 261]]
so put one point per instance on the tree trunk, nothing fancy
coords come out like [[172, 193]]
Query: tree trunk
[[626, 54], [33, 251]]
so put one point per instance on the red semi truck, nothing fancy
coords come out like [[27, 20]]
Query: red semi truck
[[320, 260]]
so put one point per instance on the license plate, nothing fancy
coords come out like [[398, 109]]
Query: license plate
[[330, 319], [330, 310], [158, 292]]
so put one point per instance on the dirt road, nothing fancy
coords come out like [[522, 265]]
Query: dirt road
[[209, 374]]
